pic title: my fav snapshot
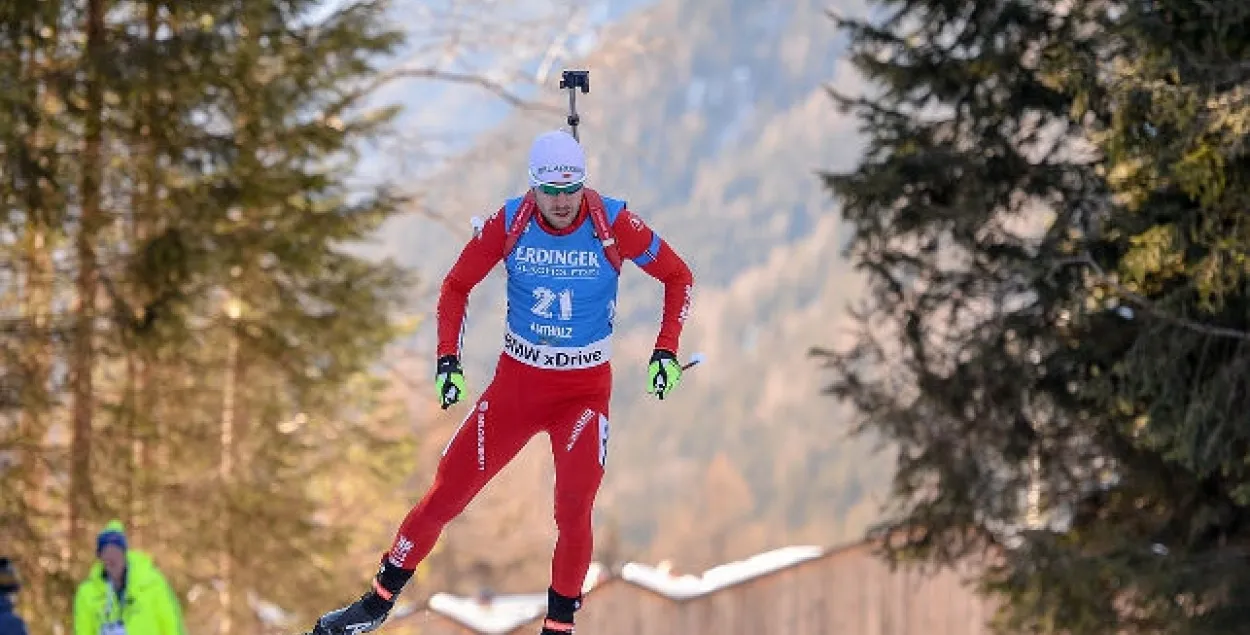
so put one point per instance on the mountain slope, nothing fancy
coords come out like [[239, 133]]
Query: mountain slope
[[713, 135]]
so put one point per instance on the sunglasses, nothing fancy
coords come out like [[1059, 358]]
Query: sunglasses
[[553, 189]]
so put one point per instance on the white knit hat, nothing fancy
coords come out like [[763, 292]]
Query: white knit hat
[[556, 158]]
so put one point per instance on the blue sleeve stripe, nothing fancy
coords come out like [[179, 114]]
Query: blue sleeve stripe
[[652, 252]]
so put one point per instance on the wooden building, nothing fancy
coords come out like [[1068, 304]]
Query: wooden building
[[794, 591]]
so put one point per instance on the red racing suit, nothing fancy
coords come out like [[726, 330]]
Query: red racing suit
[[526, 396]]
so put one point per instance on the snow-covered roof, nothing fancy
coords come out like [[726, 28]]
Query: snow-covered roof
[[503, 613], [718, 577]]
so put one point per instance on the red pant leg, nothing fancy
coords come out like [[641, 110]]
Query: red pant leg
[[579, 438], [495, 430]]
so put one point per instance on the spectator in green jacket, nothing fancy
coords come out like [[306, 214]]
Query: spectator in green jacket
[[124, 593]]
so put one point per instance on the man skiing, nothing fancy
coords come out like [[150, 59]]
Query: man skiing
[[561, 245]]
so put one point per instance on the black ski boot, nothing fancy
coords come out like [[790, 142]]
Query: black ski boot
[[361, 616], [560, 610], [367, 613]]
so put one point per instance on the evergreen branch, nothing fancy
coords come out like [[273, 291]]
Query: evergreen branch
[[1148, 307], [126, 316]]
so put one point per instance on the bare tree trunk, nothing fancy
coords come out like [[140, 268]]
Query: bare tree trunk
[[35, 399], [82, 360], [157, 451], [32, 176], [226, 470], [138, 360]]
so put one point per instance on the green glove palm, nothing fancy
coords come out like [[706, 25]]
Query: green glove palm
[[449, 380], [663, 374]]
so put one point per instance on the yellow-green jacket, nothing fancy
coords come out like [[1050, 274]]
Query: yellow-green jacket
[[148, 605]]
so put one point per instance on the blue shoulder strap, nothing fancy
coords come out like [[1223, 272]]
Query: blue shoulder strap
[[510, 208], [613, 207]]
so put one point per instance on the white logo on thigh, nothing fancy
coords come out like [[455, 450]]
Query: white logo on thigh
[[603, 440], [481, 436], [577, 429]]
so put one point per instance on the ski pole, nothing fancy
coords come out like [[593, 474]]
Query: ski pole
[[694, 359]]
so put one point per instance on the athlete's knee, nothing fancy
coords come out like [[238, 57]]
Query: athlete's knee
[[573, 510], [575, 498], [447, 498]]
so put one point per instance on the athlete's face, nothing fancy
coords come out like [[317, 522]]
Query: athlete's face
[[559, 208]]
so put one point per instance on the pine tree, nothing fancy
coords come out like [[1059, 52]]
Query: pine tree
[[1049, 212], [34, 180], [255, 303], [1172, 251], [184, 302]]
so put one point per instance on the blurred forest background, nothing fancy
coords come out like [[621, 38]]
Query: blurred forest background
[[225, 227], [226, 222]]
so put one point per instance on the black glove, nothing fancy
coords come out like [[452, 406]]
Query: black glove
[[449, 380]]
